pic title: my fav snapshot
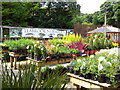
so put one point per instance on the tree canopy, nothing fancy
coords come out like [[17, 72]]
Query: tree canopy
[[112, 11], [36, 14], [57, 14]]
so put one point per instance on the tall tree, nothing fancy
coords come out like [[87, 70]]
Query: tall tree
[[15, 14], [95, 20], [36, 14], [112, 10]]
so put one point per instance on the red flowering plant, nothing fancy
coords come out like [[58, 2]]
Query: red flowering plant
[[76, 45]]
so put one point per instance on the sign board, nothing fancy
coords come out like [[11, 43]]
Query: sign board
[[15, 32], [37, 32]]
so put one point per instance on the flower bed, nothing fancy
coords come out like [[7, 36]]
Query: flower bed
[[104, 66]]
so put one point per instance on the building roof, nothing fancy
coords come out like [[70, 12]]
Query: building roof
[[104, 29]]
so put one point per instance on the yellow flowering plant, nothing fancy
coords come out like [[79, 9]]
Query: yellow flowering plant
[[115, 44]]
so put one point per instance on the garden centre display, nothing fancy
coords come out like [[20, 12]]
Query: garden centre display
[[104, 66], [66, 47], [102, 63]]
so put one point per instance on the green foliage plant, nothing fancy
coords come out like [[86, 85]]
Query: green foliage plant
[[31, 77]]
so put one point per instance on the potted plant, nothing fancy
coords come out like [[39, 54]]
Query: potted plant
[[30, 51], [93, 71], [74, 52], [77, 66], [40, 52], [4, 46], [59, 68], [87, 49]]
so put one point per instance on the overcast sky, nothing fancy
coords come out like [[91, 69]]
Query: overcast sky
[[90, 6]]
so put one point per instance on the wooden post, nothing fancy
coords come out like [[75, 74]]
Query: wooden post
[[77, 87], [110, 35], [15, 60], [11, 62]]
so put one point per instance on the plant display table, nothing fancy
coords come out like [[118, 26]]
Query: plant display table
[[64, 60], [13, 57], [87, 83], [3, 51]]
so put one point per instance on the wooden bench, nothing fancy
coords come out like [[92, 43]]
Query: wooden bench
[[87, 83]]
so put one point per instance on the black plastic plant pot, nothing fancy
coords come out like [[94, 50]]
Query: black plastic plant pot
[[101, 78], [5, 48], [57, 57], [16, 51], [79, 54], [37, 58], [87, 76], [118, 71], [11, 50], [63, 56], [71, 70], [69, 56], [108, 80], [53, 57], [117, 77], [29, 55], [25, 51], [93, 76], [76, 72], [22, 51], [32, 55], [81, 75]]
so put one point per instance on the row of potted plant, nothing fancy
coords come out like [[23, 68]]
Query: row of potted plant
[[60, 47], [104, 66], [17, 46], [46, 50], [96, 42], [56, 48], [40, 51]]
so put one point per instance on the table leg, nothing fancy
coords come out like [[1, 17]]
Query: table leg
[[15, 60], [11, 62], [77, 87]]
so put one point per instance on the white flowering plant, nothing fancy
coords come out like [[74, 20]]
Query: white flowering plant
[[40, 50], [106, 62]]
